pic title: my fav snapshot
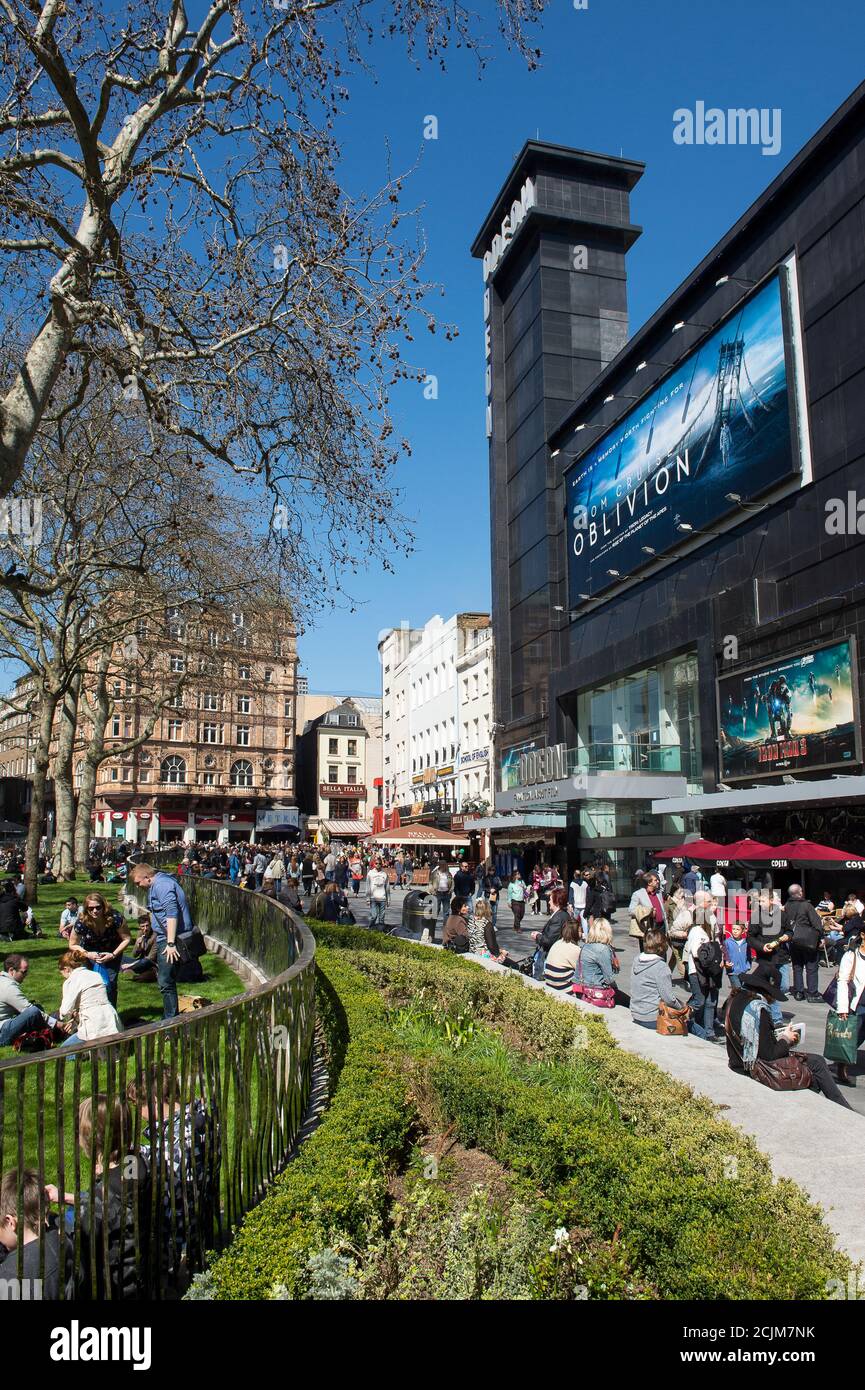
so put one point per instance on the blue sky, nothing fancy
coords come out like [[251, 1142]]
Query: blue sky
[[610, 79]]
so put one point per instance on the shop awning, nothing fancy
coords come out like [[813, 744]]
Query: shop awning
[[538, 821], [835, 790], [166, 818], [345, 829], [421, 835]]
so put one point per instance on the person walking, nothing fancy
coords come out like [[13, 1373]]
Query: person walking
[[517, 898], [170, 915], [440, 884], [378, 888], [259, 864], [851, 996], [356, 871], [704, 966], [492, 887], [805, 929], [275, 873], [577, 895]]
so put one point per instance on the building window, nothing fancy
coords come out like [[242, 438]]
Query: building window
[[288, 737], [286, 708], [241, 774], [243, 673], [210, 700], [208, 779], [243, 704], [243, 735], [351, 775], [268, 676], [114, 774], [332, 747], [352, 748], [175, 730], [79, 774], [127, 774], [343, 810], [177, 662], [173, 770], [115, 726], [238, 620], [211, 733]]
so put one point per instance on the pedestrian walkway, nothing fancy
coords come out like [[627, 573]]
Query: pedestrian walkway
[[805, 1137]]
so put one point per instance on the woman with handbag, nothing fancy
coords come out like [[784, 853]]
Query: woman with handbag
[[754, 1049], [552, 929], [851, 997], [652, 988]]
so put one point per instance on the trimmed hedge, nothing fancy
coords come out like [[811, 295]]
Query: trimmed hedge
[[653, 1181], [338, 1181]]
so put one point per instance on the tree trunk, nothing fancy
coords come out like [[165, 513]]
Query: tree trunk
[[47, 704], [63, 865], [99, 710]]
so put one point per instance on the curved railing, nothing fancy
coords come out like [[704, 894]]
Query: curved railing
[[199, 1115]]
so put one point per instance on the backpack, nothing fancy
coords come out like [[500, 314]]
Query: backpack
[[710, 961]]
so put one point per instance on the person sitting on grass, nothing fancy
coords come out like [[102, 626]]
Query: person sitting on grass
[[18, 1015], [182, 1139], [143, 967], [107, 1212], [24, 1193], [85, 1009], [11, 913], [68, 917]]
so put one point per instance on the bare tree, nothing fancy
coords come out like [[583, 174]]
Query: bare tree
[[169, 209]]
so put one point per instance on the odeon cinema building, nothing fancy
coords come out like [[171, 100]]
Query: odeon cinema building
[[678, 517]]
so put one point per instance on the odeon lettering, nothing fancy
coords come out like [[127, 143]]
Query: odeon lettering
[[512, 220], [542, 765]]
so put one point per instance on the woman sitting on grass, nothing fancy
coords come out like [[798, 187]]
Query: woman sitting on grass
[[85, 1000]]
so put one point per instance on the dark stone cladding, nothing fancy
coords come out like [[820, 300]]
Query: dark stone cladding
[[552, 330], [777, 582]]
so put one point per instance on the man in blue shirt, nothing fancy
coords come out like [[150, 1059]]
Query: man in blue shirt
[[169, 913]]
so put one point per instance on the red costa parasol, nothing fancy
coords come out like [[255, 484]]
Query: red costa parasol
[[751, 850], [809, 852], [694, 849]]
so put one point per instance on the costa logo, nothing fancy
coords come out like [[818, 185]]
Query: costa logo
[[780, 864], [855, 864]]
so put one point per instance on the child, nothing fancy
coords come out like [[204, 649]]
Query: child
[[107, 1215], [27, 1188], [68, 917], [736, 954], [181, 1142]]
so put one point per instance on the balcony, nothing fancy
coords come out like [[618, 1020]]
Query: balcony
[[635, 756]]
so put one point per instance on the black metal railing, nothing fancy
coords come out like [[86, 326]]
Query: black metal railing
[[160, 1139]]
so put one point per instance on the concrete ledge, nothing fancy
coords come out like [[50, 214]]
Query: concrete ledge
[[805, 1137]]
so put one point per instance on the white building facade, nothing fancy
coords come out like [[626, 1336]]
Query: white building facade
[[427, 675]]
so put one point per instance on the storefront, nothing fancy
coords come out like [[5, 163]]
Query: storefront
[[695, 606]]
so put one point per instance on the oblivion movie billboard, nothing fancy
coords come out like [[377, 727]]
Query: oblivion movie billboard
[[720, 423], [794, 713]]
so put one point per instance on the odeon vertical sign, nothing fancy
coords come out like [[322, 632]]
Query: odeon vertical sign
[[500, 244]]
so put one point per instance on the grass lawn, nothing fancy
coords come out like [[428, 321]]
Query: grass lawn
[[21, 1101], [136, 1003]]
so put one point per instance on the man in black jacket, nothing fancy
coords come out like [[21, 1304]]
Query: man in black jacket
[[805, 929], [763, 985]]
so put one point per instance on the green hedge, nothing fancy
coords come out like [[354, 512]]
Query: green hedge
[[654, 1179], [338, 1182]]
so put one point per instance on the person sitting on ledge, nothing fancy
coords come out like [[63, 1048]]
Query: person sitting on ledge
[[751, 1040], [455, 936]]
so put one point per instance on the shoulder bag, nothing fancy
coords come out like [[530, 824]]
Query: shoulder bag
[[672, 1022], [191, 945]]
